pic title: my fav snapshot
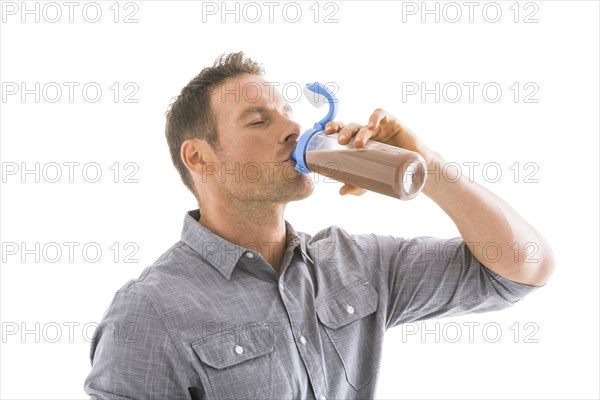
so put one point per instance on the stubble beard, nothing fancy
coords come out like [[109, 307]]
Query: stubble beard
[[297, 188], [281, 185]]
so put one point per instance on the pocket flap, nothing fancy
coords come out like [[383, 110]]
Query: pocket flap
[[347, 305], [225, 350]]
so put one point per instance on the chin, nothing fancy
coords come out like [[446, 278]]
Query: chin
[[301, 195], [299, 189]]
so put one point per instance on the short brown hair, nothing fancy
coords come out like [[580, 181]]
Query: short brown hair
[[190, 115]]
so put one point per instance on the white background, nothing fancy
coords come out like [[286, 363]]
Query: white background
[[372, 52]]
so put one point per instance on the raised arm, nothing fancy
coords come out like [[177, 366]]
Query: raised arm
[[494, 232]]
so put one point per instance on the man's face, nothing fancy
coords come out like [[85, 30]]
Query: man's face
[[256, 138]]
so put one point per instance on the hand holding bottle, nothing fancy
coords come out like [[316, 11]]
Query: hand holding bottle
[[382, 127], [368, 164]]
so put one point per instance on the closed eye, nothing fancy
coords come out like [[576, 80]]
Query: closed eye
[[257, 122]]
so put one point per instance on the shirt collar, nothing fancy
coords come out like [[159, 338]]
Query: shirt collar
[[222, 254]]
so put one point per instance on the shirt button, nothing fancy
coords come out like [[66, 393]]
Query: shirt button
[[350, 309], [322, 397], [249, 255], [239, 349], [303, 340]]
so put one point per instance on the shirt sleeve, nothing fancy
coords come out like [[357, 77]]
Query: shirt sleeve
[[133, 356], [425, 277]]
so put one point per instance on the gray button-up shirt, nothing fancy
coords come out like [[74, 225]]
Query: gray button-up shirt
[[210, 319]]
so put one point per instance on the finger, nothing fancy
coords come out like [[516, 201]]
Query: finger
[[349, 189], [346, 133], [333, 126], [376, 118], [362, 136]]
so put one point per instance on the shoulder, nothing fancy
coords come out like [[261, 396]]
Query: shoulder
[[338, 252], [331, 234], [366, 245], [165, 282]]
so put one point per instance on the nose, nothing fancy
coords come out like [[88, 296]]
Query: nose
[[290, 132]]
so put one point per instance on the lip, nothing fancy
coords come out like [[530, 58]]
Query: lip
[[289, 159]]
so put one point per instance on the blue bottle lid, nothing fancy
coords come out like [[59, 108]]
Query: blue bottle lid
[[300, 150]]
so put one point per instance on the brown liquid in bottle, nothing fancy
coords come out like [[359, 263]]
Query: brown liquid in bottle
[[396, 175]]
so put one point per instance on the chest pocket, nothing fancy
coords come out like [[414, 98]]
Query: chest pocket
[[354, 329], [243, 367]]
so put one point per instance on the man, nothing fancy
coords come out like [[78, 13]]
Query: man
[[244, 307]]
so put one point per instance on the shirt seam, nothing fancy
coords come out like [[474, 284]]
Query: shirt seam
[[150, 268], [175, 247], [341, 291], [503, 280]]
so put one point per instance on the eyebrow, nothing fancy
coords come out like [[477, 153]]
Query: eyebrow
[[260, 109]]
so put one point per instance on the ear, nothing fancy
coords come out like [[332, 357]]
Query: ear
[[197, 154]]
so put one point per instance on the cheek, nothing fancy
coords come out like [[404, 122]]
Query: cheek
[[251, 150], [237, 148]]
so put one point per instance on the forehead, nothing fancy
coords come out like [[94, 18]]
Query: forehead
[[236, 94]]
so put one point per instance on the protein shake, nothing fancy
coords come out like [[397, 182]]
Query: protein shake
[[376, 167]]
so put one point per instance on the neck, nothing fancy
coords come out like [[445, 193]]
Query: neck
[[257, 225]]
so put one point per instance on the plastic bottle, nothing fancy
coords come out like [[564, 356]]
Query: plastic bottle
[[377, 167]]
